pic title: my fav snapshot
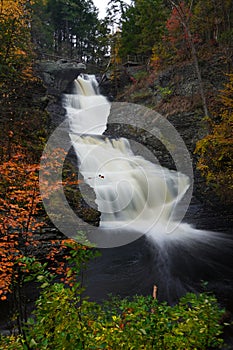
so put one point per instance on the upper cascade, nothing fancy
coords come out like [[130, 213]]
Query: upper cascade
[[87, 110]]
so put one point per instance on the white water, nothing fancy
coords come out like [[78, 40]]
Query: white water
[[87, 111], [131, 192]]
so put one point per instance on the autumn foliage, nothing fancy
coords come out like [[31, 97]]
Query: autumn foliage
[[216, 149], [19, 205], [177, 35], [14, 36], [22, 138], [22, 212]]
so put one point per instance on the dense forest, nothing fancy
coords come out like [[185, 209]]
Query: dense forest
[[155, 34]]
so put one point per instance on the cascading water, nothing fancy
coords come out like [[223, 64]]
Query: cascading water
[[87, 111], [136, 195], [131, 192]]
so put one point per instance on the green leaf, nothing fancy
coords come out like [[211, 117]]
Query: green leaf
[[32, 343], [44, 285], [40, 278]]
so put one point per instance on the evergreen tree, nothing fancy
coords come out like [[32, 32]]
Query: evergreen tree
[[41, 28], [115, 12], [151, 19], [76, 28], [102, 44], [143, 26], [130, 33]]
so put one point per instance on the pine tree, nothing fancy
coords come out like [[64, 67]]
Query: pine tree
[[75, 24]]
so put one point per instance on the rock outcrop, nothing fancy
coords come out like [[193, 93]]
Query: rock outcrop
[[58, 75]]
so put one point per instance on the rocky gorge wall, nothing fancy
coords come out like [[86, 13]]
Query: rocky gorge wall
[[174, 93]]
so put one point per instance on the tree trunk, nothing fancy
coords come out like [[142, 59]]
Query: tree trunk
[[198, 71], [185, 23]]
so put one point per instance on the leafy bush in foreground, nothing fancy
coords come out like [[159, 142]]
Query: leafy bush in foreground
[[64, 320]]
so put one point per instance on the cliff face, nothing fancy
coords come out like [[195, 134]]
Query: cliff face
[[174, 92], [57, 76]]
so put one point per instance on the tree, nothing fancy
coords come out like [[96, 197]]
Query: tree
[[177, 34], [151, 19], [19, 202], [213, 20], [41, 28], [15, 45], [182, 13], [218, 18], [21, 217], [115, 12], [130, 33], [18, 105], [143, 26], [102, 44], [75, 24], [216, 151]]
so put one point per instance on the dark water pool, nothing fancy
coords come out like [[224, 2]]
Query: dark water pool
[[136, 267]]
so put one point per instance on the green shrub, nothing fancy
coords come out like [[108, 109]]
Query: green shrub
[[11, 342], [64, 320]]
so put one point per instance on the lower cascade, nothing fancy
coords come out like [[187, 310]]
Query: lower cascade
[[136, 195]]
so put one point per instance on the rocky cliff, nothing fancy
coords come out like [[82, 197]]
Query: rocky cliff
[[174, 93]]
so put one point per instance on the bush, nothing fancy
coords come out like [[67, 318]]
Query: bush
[[64, 320]]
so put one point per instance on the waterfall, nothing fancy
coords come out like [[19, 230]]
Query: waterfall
[[131, 192], [86, 109], [135, 195]]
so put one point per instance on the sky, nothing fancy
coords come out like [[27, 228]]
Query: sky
[[102, 4]]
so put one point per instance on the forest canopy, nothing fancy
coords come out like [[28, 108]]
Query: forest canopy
[[72, 28]]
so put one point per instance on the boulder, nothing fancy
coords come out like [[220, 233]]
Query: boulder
[[58, 75]]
